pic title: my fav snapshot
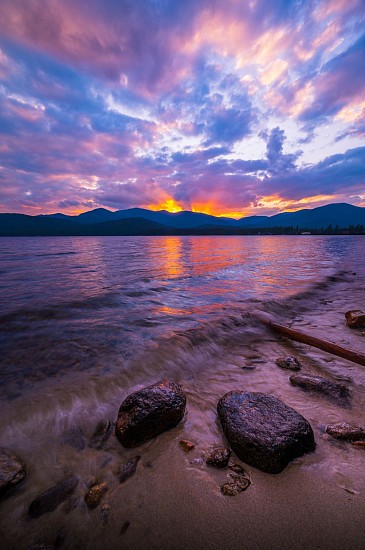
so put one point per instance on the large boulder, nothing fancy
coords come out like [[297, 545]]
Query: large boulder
[[309, 382], [263, 431], [149, 412], [12, 471]]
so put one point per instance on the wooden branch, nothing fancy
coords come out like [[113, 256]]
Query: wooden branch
[[324, 345]]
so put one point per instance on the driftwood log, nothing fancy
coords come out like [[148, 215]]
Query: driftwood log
[[299, 336]]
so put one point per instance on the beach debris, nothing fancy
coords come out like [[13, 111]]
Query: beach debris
[[74, 437], [237, 468], [149, 412], [289, 362], [52, 497], [124, 527], [263, 431], [239, 484], [310, 382], [355, 318], [186, 445], [128, 469], [219, 458], [359, 444], [101, 434], [105, 511], [95, 494], [345, 431], [12, 471], [298, 336]]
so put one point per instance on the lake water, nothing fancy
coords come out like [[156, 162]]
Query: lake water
[[86, 321]]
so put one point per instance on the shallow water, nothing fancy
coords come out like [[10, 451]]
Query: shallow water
[[86, 321]]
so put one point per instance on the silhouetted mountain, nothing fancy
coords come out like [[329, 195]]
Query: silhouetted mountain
[[138, 221]]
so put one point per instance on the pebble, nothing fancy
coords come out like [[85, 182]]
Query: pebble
[[95, 494], [219, 458], [186, 445], [128, 469]]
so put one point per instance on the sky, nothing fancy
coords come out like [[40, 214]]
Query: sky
[[229, 107]]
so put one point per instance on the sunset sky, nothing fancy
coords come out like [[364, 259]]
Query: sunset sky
[[228, 107]]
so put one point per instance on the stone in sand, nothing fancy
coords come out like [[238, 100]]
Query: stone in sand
[[101, 434], [319, 384], [239, 484], [186, 445], [95, 494], [50, 499], [355, 318], [12, 471], [149, 412], [289, 363], [219, 458], [263, 431], [346, 431], [128, 469], [360, 444]]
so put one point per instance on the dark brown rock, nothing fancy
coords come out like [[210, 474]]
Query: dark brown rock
[[346, 431], [128, 469], [319, 384], [289, 363], [263, 431], [50, 499], [360, 444], [12, 471], [239, 484], [355, 318], [95, 494], [149, 412], [219, 458], [101, 434], [186, 445]]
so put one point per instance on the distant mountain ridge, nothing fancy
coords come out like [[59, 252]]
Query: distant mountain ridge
[[139, 221]]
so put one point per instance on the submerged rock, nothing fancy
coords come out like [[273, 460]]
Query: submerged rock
[[128, 469], [124, 527], [219, 458], [186, 445], [95, 494], [346, 431], [263, 431], [101, 434], [50, 499], [149, 412], [12, 471], [319, 384], [289, 363], [355, 318], [239, 484], [75, 438], [237, 468]]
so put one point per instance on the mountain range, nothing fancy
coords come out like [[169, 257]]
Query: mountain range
[[139, 221]]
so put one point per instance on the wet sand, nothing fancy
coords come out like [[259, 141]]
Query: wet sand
[[174, 500]]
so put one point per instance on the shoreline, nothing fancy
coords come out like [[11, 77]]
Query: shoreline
[[316, 502]]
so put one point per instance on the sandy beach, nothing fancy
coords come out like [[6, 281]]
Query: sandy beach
[[174, 499]]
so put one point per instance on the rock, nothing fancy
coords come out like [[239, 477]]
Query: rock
[[346, 431], [128, 469], [219, 458], [319, 384], [359, 444], [149, 412], [41, 547], [75, 438], [186, 445], [289, 363], [263, 431], [101, 434], [239, 484], [12, 471], [124, 527], [95, 494], [355, 318], [50, 499], [237, 468]]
